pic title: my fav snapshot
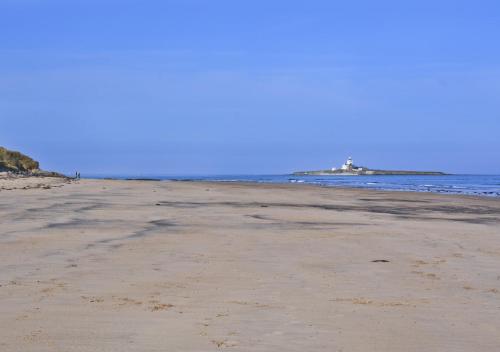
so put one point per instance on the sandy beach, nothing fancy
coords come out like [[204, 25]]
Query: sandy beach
[[106, 265]]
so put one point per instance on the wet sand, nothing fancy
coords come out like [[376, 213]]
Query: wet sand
[[101, 265]]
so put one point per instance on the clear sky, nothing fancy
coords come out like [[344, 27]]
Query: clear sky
[[250, 86]]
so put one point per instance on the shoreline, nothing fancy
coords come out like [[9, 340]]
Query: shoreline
[[475, 185], [292, 186], [297, 184], [67, 180]]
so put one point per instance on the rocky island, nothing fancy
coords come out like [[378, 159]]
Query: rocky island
[[349, 169]]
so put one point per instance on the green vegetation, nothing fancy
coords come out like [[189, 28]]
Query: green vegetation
[[16, 162]]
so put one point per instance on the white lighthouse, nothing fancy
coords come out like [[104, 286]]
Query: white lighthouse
[[347, 165]]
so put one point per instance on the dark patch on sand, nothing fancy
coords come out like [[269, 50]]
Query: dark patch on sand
[[78, 223], [482, 221], [260, 217], [393, 200], [378, 209], [163, 223], [69, 206], [303, 223], [149, 230], [476, 221]]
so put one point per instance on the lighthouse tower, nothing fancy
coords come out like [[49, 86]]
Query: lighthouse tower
[[347, 165]]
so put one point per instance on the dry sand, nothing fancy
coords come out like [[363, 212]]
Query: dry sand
[[96, 265]]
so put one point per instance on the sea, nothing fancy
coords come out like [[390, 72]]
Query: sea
[[479, 185]]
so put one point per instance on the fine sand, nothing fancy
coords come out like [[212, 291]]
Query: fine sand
[[101, 265]]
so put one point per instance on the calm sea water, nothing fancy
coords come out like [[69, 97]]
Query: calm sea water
[[482, 185]]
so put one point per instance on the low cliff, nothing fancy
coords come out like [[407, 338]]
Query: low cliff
[[17, 162]]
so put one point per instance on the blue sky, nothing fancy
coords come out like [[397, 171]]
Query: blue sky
[[220, 86]]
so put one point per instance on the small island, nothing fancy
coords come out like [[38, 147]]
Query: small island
[[349, 169]]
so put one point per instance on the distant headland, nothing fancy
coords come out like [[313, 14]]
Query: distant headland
[[349, 169]]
